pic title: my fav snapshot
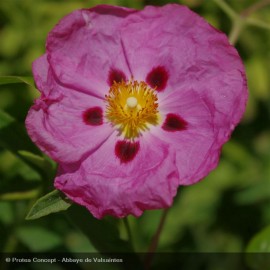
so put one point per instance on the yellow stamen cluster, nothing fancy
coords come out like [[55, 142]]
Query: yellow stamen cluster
[[131, 107]]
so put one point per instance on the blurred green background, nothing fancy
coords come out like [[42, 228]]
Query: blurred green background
[[229, 211]]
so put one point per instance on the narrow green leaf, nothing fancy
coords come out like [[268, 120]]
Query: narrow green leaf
[[52, 202], [258, 250], [17, 79], [37, 160], [23, 195]]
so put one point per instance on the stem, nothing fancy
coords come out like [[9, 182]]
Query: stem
[[240, 20], [127, 226], [154, 243], [226, 8], [258, 23], [255, 7], [238, 25]]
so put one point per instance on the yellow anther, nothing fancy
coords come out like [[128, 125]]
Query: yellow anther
[[131, 107]]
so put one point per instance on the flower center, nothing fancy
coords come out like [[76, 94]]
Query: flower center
[[132, 102], [132, 107]]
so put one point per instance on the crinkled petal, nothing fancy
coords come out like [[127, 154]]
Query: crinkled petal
[[179, 40], [193, 144], [40, 70], [210, 121], [56, 124], [86, 45], [106, 186]]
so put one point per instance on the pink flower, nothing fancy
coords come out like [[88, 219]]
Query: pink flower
[[134, 104]]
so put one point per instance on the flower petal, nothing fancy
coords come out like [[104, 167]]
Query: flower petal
[[179, 41], [56, 122], [106, 186], [40, 69], [207, 128], [86, 45]]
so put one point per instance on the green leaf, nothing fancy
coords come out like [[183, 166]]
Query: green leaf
[[38, 239], [17, 79], [103, 234], [23, 195], [258, 250], [260, 242], [37, 160], [52, 202]]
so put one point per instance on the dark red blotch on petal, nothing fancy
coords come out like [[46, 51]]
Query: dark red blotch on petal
[[174, 122], [126, 151], [116, 75], [93, 116], [157, 78]]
